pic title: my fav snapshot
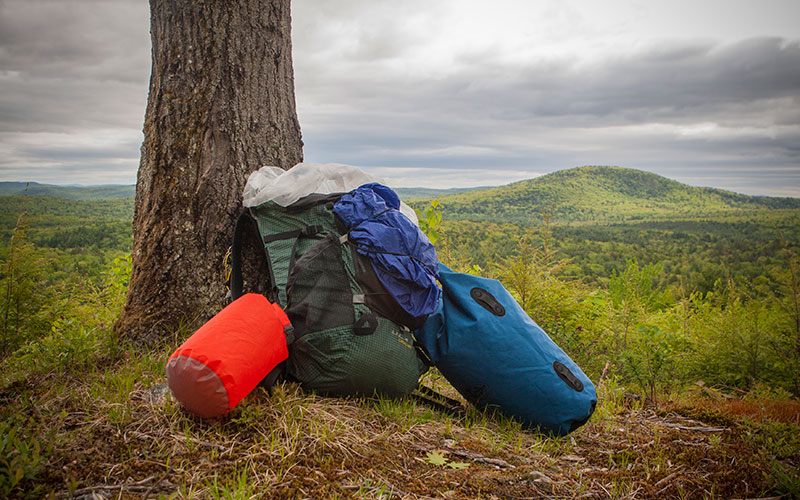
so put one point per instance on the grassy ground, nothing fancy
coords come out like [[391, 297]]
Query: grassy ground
[[109, 429]]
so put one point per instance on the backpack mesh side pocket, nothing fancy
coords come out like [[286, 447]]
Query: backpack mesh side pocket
[[318, 288]]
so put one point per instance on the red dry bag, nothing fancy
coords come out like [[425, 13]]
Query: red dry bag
[[227, 357]]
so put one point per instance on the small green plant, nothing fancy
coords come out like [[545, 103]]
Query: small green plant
[[610, 401], [67, 347], [241, 488], [20, 458], [778, 440], [784, 480], [405, 412], [371, 488], [436, 457], [635, 295]]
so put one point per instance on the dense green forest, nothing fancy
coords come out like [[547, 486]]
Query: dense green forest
[[694, 252], [69, 239], [701, 281], [58, 257], [680, 300]]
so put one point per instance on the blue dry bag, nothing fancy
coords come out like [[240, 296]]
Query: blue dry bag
[[488, 348]]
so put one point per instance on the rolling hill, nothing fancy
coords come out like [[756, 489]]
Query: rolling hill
[[52, 206], [410, 193], [599, 194], [105, 192], [587, 194]]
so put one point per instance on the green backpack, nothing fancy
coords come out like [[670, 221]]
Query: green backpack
[[348, 333]]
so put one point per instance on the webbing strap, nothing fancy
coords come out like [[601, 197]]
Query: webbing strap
[[236, 280], [438, 401], [277, 373], [366, 324], [287, 235]]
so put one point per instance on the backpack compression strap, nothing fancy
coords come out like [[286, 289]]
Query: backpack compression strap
[[438, 401]]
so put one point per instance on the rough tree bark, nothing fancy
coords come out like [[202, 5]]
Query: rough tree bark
[[221, 105]]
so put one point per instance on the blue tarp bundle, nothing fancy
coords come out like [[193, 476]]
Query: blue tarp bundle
[[404, 259], [496, 356]]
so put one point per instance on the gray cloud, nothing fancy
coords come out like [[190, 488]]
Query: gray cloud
[[704, 82], [74, 79], [73, 64], [374, 91], [700, 104], [96, 40]]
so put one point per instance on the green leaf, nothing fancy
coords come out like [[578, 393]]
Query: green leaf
[[458, 465], [436, 458], [18, 475]]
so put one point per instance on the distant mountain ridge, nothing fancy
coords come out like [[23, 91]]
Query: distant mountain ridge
[[596, 193], [591, 193], [112, 191], [411, 193], [104, 192]]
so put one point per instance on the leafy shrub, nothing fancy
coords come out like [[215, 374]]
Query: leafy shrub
[[81, 330], [68, 347], [21, 300], [430, 221], [654, 358]]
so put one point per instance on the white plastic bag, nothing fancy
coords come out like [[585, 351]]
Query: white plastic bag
[[285, 187]]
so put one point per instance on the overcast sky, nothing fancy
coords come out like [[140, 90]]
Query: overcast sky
[[443, 94]]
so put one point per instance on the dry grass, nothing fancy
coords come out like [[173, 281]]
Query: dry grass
[[111, 435], [758, 410]]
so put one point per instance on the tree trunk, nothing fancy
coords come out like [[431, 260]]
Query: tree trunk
[[221, 105]]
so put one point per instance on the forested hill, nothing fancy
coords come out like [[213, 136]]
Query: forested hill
[[590, 194], [600, 194], [411, 193], [70, 192], [39, 205]]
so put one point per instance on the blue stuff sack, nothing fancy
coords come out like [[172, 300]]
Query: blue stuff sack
[[496, 356]]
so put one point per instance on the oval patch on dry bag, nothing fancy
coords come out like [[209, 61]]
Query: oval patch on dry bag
[[487, 301], [567, 376]]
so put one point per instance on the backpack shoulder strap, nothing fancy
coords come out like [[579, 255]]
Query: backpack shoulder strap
[[244, 223]]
